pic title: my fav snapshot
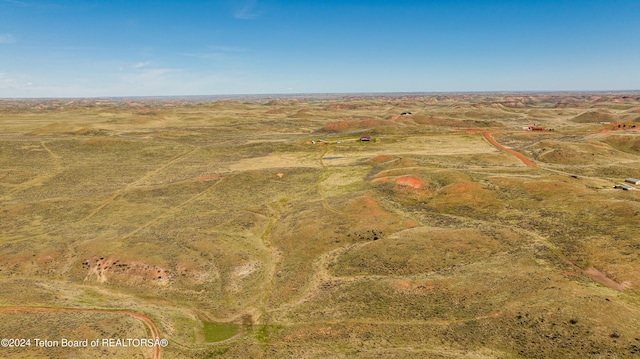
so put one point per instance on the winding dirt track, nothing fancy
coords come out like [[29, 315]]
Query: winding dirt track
[[155, 332], [524, 160]]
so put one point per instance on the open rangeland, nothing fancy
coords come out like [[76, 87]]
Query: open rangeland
[[477, 226]]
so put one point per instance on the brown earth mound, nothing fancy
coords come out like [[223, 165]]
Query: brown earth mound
[[466, 197], [630, 144]]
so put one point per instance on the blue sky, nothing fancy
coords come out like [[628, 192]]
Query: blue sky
[[161, 48]]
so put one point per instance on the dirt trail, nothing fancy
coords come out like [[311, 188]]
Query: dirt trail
[[592, 273], [323, 197], [274, 256], [487, 136], [38, 180], [320, 275], [71, 254], [135, 183], [172, 210], [155, 332]]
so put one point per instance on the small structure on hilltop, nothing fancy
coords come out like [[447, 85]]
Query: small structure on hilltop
[[535, 128], [405, 113], [624, 187], [365, 138], [632, 180]]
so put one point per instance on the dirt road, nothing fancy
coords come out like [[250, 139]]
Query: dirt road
[[155, 332], [524, 160]]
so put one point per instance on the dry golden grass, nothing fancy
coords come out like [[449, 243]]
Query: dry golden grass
[[225, 225]]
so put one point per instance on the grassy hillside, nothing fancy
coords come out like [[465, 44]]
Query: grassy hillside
[[268, 229]]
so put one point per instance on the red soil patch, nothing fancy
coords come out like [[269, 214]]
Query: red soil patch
[[409, 181]]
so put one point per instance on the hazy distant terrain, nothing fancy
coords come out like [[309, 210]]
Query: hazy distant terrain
[[263, 227]]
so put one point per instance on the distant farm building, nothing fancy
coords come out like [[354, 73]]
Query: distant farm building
[[535, 128], [623, 187], [405, 113], [633, 180], [365, 138]]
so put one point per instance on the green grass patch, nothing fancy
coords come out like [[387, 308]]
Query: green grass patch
[[217, 332]]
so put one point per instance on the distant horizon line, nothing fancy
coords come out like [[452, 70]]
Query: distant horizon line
[[323, 94]]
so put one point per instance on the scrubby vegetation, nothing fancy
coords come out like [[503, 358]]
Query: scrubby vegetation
[[266, 228]]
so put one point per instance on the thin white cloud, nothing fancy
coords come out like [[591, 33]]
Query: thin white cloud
[[16, 2], [7, 39], [31, 5], [244, 9], [147, 76], [141, 64], [13, 82], [6, 82]]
